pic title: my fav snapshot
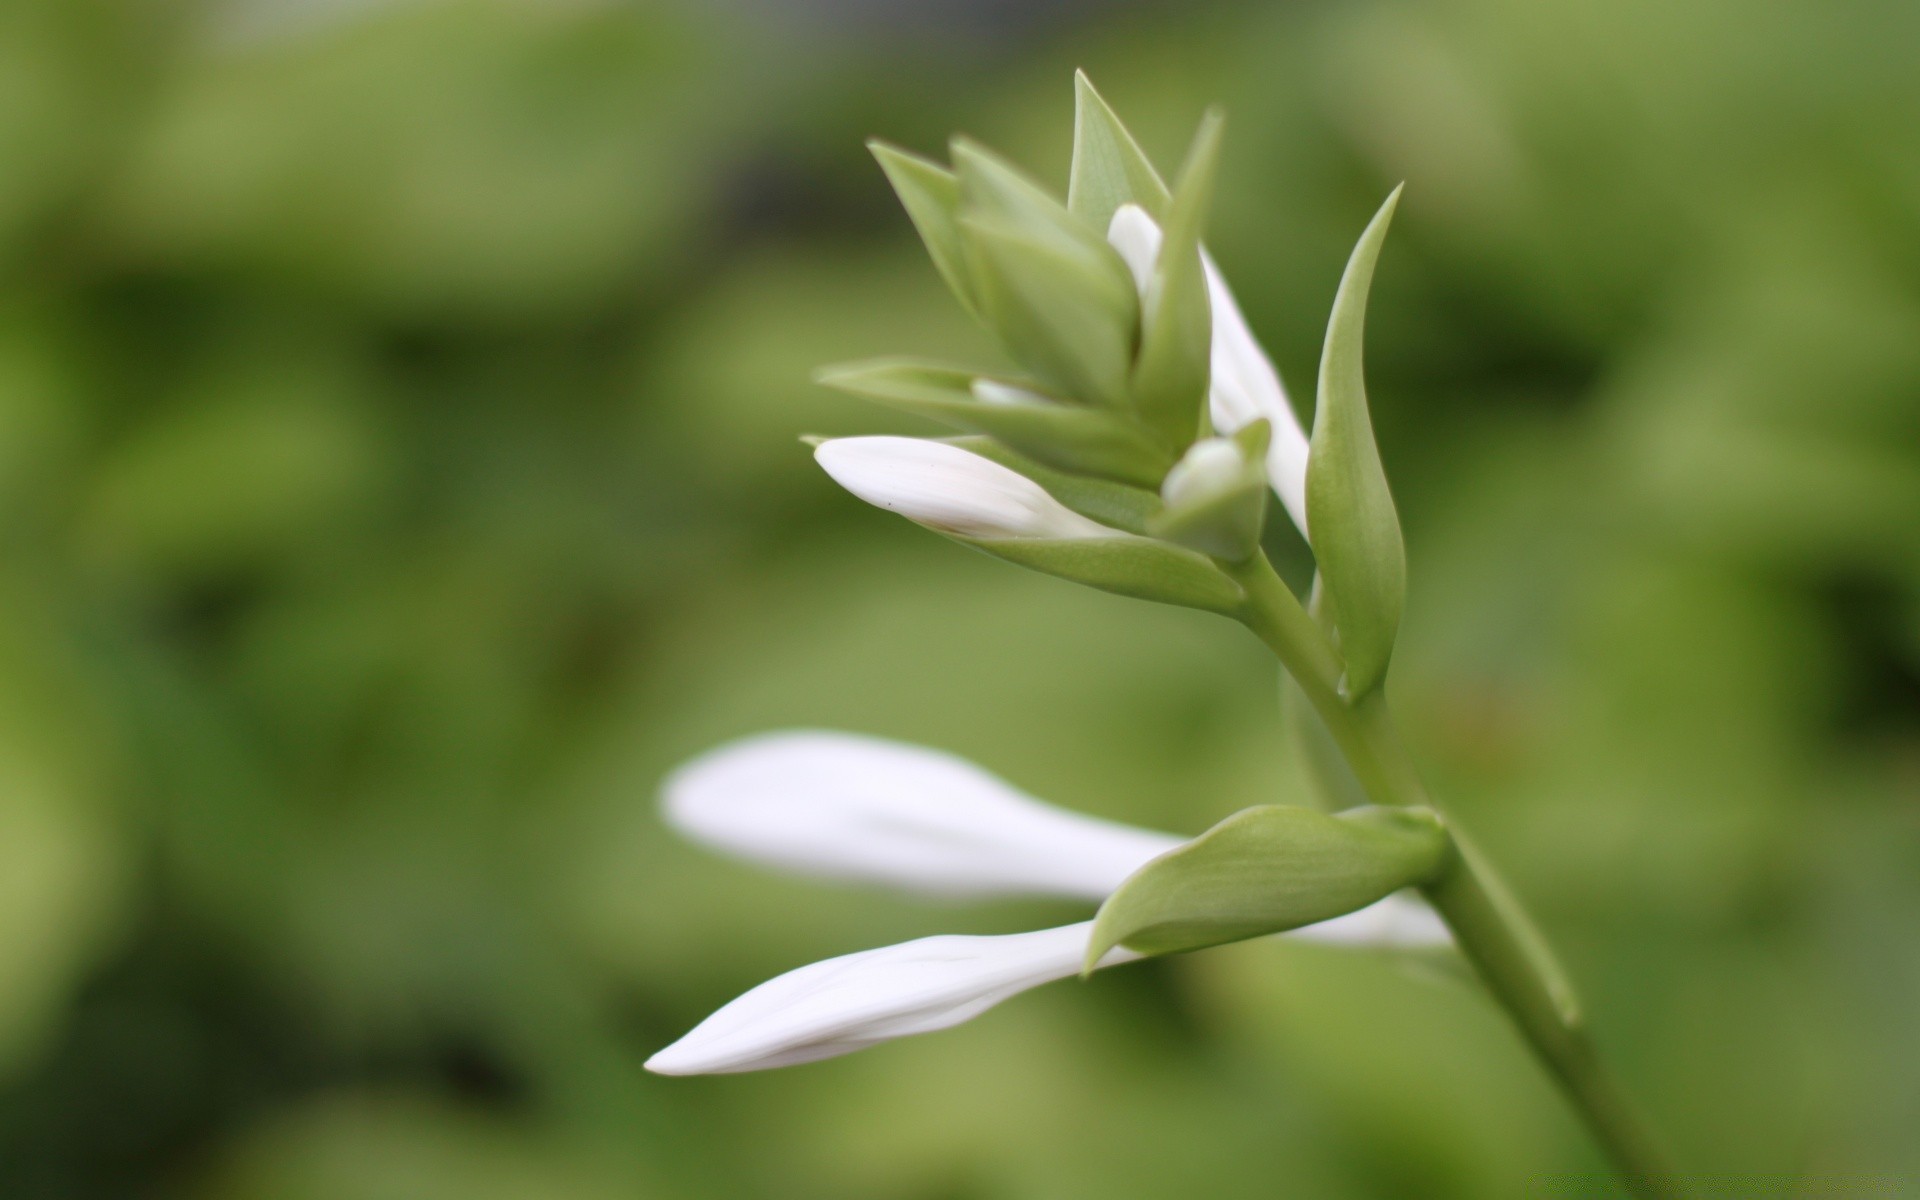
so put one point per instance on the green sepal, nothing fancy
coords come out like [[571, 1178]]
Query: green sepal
[[1226, 521], [995, 191], [1071, 437], [1109, 169], [1127, 566], [1176, 325], [1068, 321], [1355, 530], [1267, 870], [1116, 505], [931, 195]]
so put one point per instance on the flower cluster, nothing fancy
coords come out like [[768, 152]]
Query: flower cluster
[[1135, 450]]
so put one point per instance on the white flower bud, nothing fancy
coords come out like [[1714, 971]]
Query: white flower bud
[[845, 1004], [1245, 386], [951, 490], [1209, 469], [843, 806]]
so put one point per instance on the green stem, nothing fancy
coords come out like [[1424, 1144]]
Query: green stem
[[1488, 922]]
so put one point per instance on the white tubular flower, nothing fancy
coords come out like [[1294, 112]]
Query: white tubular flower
[[1245, 386], [845, 1004], [869, 810], [951, 490], [842, 806]]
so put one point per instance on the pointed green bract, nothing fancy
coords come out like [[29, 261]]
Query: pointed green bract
[[1108, 167], [994, 190], [1268, 870], [1067, 320], [1355, 530], [1170, 376], [1128, 566], [931, 195], [1071, 437]]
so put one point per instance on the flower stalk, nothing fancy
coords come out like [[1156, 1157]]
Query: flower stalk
[[1489, 924]]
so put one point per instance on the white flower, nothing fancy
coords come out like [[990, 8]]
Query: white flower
[[849, 807], [1245, 386], [869, 810], [951, 490], [845, 1004], [844, 806]]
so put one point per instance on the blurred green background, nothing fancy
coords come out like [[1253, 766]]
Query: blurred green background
[[398, 404]]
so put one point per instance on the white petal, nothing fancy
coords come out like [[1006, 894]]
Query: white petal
[[951, 490], [1245, 386], [849, 1003], [1401, 920], [844, 806], [1137, 237]]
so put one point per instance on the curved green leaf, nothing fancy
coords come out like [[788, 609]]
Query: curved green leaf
[[1267, 870], [1355, 530]]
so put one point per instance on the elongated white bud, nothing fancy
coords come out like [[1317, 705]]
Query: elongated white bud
[[845, 1004], [869, 810], [951, 490], [1245, 386], [843, 806]]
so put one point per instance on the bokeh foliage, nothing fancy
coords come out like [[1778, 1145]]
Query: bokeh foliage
[[397, 473]]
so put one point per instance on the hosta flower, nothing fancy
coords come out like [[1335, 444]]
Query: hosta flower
[[843, 806], [951, 490], [1244, 385], [844, 1004]]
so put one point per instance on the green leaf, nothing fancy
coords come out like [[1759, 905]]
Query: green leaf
[[1070, 437], [1267, 870], [931, 195], [1176, 325], [1116, 505], [1068, 322], [1127, 566], [1355, 530], [1109, 168]]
